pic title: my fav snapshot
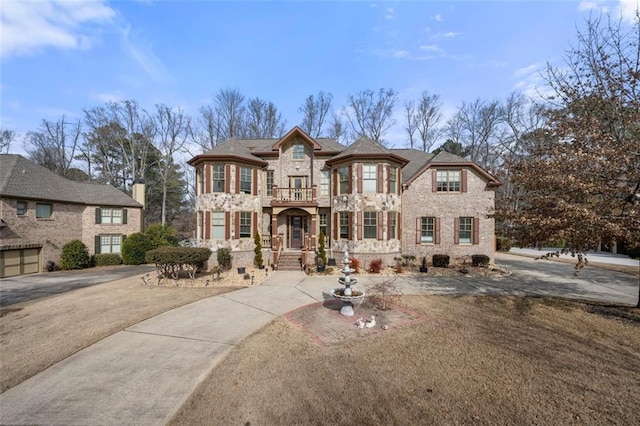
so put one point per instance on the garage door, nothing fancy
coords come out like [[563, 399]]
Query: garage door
[[19, 262]]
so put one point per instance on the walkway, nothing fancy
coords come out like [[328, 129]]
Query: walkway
[[144, 374]]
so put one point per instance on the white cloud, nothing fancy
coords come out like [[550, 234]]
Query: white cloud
[[106, 97], [391, 14], [401, 54], [142, 52], [28, 26], [448, 34], [629, 9], [530, 81], [430, 48], [437, 17]]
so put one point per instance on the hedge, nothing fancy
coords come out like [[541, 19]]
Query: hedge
[[107, 259], [480, 260], [134, 248], [440, 260], [75, 255], [171, 260]]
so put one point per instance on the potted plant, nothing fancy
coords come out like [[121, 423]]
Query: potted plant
[[257, 258], [423, 267], [321, 259]]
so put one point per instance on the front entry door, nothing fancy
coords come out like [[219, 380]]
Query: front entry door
[[297, 225]]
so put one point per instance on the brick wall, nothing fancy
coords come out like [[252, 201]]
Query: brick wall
[[477, 202], [90, 229]]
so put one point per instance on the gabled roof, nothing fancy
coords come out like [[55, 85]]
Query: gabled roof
[[365, 148], [442, 159], [417, 159], [21, 178], [297, 131]]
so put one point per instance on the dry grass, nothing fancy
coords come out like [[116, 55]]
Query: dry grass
[[35, 335], [474, 360]]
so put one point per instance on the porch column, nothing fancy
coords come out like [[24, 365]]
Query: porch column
[[275, 242], [313, 233]]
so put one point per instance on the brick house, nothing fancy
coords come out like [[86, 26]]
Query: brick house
[[373, 201], [40, 212]]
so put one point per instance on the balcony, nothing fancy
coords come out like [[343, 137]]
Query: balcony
[[294, 197]]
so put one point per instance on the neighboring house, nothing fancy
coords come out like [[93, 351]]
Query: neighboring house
[[40, 212], [373, 201]]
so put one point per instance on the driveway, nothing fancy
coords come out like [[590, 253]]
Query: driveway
[[30, 287], [534, 277]]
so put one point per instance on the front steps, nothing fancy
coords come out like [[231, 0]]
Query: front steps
[[289, 261]]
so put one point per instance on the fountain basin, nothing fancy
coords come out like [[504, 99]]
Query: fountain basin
[[347, 301]]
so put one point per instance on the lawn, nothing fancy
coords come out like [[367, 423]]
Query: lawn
[[471, 360]]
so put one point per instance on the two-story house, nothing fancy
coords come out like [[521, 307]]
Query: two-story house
[[373, 201], [40, 212]]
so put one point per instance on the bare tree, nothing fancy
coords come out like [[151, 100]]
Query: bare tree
[[262, 120], [337, 130], [173, 131], [126, 127], [370, 113], [6, 138], [207, 132], [427, 118], [410, 123], [230, 109], [476, 126], [314, 111], [54, 145]]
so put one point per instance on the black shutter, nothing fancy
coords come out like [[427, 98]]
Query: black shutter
[[98, 216], [124, 216], [97, 248]]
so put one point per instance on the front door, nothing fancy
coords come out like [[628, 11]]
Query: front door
[[296, 231]]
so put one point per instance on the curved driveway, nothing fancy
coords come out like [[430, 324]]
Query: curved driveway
[[143, 374], [30, 287]]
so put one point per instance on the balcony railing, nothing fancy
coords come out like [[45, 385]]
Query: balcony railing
[[294, 196]]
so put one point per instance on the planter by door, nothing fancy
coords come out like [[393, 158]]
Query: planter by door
[[331, 261]]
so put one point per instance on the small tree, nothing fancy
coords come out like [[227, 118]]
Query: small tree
[[135, 247], [75, 255], [322, 254], [162, 235], [384, 292], [224, 258], [257, 259]]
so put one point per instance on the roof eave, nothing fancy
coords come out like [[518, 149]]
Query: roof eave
[[401, 160], [226, 157]]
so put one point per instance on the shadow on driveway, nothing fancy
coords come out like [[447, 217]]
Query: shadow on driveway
[[25, 288]]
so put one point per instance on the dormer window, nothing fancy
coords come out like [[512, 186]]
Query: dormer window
[[298, 151]]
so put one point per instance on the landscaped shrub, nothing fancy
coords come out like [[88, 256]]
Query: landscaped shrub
[[162, 235], [224, 258], [134, 248], [440, 260], [107, 259], [355, 265], [257, 258], [322, 253], [375, 266], [170, 260], [407, 260], [503, 244], [480, 260], [75, 255]]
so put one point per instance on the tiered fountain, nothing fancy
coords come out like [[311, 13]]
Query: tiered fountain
[[347, 294]]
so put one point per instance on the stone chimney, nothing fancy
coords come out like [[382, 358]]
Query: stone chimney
[[138, 192]]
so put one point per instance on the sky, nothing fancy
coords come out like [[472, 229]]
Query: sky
[[62, 56]]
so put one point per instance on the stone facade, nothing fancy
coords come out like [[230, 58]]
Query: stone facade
[[382, 187]]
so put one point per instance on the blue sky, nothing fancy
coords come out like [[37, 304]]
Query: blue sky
[[58, 57]]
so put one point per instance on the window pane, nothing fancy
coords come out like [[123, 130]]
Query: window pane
[[427, 231], [466, 225], [217, 224], [393, 179], [324, 182], [344, 225], [392, 225], [245, 224], [21, 208], [43, 211], [323, 223], [269, 183], [218, 177], [448, 180], [116, 216], [370, 224], [369, 178], [245, 180], [298, 152], [343, 174]]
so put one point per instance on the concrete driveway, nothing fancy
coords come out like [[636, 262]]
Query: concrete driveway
[[30, 287], [532, 277]]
